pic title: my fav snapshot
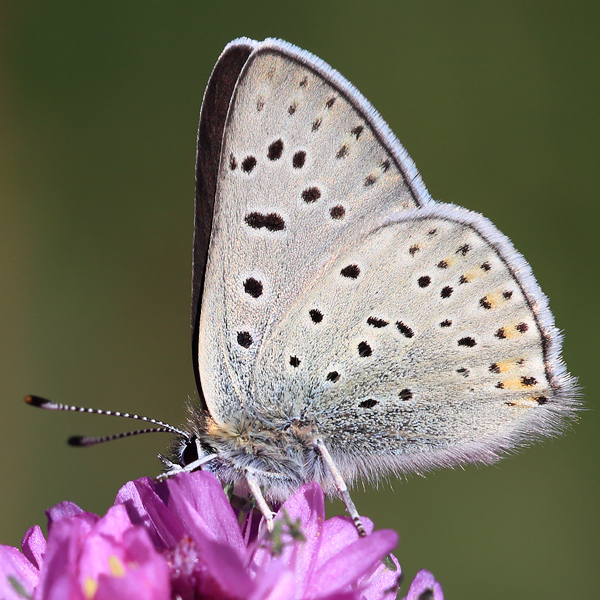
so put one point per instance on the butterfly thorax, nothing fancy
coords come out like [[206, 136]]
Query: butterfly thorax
[[281, 454]]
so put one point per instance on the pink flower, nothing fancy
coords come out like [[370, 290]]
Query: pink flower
[[182, 539]]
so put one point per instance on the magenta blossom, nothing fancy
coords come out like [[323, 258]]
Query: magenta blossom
[[183, 540]]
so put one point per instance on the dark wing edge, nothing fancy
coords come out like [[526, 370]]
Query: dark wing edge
[[213, 116]]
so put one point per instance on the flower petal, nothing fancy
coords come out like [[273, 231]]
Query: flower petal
[[137, 571], [383, 583], [65, 540], [145, 507], [66, 510], [308, 506], [424, 587], [203, 509], [103, 540], [15, 566], [357, 560], [34, 546], [339, 532], [226, 569]]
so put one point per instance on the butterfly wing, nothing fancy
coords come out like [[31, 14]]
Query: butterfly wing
[[304, 165], [426, 343], [339, 297]]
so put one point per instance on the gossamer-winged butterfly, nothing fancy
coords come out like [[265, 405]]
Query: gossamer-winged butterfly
[[345, 326]]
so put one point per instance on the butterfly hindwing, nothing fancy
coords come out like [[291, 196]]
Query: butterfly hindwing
[[422, 345]]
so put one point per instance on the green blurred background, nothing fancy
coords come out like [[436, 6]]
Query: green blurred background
[[498, 104]]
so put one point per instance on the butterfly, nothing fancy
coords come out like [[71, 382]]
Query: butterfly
[[345, 326]]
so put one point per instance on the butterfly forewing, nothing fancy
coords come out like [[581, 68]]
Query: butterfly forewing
[[303, 172]]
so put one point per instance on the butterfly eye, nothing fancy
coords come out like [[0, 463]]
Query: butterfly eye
[[190, 452]]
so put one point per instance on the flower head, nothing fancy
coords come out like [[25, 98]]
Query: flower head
[[182, 539]]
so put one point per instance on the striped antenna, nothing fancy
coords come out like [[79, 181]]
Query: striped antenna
[[40, 402], [85, 441]]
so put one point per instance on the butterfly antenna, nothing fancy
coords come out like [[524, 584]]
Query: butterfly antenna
[[84, 441]]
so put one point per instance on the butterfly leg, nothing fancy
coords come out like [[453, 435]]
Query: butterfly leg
[[173, 469], [260, 499], [341, 486]]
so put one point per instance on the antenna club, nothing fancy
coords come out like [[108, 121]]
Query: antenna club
[[40, 402], [77, 440]]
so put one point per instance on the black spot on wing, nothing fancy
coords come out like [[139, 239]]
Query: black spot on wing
[[364, 349], [405, 330], [485, 303], [337, 212], [271, 221], [315, 315], [244, 339], [248, 164], [377, 323], [299, 159], [351, 271], [275, 150], [311, 194], [253, 287], [342, 152], [370, 403]]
